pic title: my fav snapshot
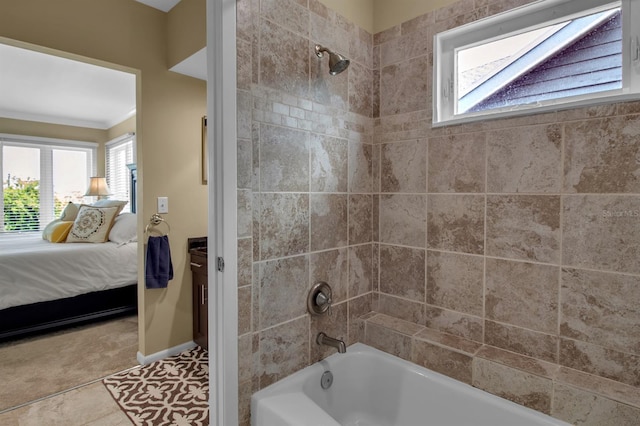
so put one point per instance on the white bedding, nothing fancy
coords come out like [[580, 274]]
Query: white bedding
[[34, 270]]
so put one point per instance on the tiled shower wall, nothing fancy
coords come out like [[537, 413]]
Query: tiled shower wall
[[305, 202], [509, 250], [502, 253]]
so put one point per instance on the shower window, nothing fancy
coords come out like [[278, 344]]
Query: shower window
[[544, 56]]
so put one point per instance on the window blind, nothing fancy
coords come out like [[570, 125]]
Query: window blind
[[119, 153]]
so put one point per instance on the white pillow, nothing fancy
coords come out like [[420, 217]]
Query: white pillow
[[92, 224], [70, 212], [110, 203], [124, 229]]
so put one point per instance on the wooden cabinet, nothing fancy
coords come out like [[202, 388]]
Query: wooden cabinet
[[200, 297]]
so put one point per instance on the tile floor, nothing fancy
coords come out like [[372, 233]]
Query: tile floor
[[86, 405]]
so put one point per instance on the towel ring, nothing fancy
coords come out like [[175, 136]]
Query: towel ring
[[156, 220]]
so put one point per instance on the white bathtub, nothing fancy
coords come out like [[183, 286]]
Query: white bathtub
[[373, 388]]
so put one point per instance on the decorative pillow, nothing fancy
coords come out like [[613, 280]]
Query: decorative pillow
[[70, 212], [59, 231], [124, 229], [46, 232], [92, 224], [111, 203]]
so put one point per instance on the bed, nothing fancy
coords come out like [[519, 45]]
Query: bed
[[45, 285]]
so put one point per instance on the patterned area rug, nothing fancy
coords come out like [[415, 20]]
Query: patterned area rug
[[172, 391]]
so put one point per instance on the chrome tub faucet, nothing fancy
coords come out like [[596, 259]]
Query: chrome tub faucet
[[323, 339]]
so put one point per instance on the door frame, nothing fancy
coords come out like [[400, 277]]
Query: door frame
[[222, 217]]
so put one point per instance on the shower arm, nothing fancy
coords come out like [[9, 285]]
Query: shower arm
[[320, 50]]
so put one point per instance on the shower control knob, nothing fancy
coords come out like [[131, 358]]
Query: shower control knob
[[322, 299], [319, 298]]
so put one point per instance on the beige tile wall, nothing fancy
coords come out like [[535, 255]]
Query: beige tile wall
[[502, 253], [305, 204], [508, 249]]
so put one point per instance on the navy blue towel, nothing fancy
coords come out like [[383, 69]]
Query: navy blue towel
[[158, 267]]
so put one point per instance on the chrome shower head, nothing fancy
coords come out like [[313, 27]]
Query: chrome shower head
[[337, 62]]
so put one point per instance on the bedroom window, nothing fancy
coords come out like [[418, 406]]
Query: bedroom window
[[544, 56], [120, 152], [39, 177]]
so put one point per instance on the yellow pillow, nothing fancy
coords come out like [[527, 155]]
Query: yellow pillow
[[92, 224], [46, 232], [59, 231]]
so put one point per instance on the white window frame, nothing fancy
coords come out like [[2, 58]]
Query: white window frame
[[46, 146], [534, 15], [113, 145]]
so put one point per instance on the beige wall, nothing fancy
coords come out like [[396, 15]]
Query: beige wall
[[187, 27], [57, 131], [377, 15], [48, 130], [127, 126], [133, 35], [388, 13]]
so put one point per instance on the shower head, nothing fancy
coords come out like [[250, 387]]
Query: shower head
[[337, 62]]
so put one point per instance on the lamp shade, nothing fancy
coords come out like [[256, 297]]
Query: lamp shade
[[98, 187]]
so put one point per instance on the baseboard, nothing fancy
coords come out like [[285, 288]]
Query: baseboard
[[148, 359]]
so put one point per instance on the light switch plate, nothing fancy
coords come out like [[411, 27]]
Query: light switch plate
[[163, 204]]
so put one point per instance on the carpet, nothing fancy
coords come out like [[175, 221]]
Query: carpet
[[40, 366], [172, 391]]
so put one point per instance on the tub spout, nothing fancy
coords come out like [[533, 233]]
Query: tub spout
[[323, 339]]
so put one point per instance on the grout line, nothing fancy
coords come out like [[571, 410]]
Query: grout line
[[484, 254], [426, 225], [62, 392], [560, 249]]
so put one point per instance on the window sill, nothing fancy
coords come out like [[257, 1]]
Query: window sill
[[530, 110]]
